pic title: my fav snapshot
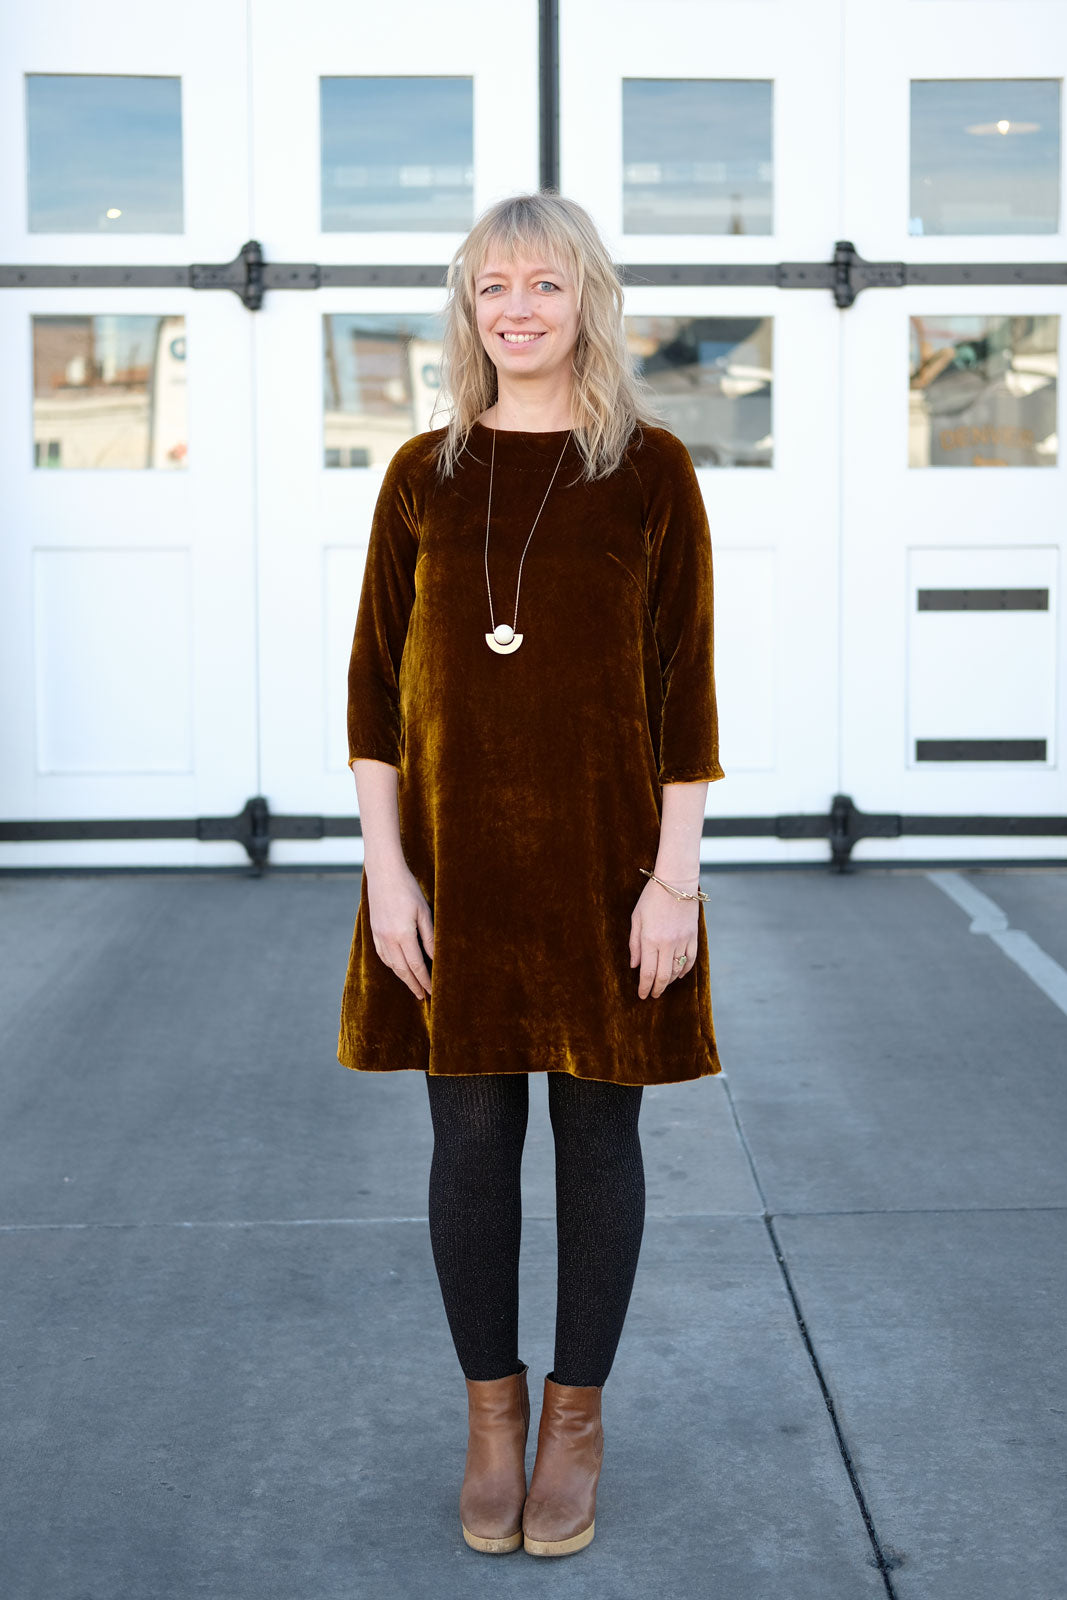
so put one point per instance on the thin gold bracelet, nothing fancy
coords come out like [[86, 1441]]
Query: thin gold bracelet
[[701, 894]]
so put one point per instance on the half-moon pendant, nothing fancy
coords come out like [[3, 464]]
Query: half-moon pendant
[[504, 649]]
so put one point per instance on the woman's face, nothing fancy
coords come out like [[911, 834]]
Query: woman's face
[[527, 312]]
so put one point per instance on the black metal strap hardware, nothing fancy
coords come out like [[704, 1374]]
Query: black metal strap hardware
[[250, 276], [256, 827]]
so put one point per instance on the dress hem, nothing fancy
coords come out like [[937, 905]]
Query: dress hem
[[708, 1067]]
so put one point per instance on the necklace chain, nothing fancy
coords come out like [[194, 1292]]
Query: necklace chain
[[526, 546]]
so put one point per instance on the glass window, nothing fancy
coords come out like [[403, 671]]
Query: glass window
[[381, 381], [983, 391], [697, 155], [104, 154], [712, 382], [985, 156], [109, 391], [397, 154]]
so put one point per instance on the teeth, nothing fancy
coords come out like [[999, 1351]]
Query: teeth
[[521, 338]]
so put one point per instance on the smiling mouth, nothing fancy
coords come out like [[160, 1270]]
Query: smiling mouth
[[520, 338]]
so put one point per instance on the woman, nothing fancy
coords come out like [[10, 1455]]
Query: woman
[[532, 726]]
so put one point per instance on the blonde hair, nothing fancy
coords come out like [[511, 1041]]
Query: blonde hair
[[609, 400]]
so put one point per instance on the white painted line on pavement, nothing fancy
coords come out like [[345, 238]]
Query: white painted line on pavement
[[987, 918]]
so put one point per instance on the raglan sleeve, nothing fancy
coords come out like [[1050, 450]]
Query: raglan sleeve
[[386, 598], [681, 601]]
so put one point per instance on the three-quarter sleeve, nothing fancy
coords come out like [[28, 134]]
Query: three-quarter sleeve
[[385, 602], [680, 593]]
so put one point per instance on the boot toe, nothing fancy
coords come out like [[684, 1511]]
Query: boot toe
[[552, 1529], [560, 1544], [498, 1545]]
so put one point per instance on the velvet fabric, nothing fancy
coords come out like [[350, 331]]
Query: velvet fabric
[[530, 784]]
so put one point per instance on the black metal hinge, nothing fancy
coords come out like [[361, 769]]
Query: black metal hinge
[[256, 827], [250, 276]]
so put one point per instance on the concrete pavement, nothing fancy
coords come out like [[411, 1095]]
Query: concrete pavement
[[227, 1371]]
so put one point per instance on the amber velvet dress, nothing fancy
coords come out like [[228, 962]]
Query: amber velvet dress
[[529, 789]]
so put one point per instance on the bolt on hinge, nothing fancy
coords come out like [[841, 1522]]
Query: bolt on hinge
[[244, 275], [850, 273], [248, 275]]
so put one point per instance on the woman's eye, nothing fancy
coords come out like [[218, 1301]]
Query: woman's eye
[[545, 284], [491, 286]]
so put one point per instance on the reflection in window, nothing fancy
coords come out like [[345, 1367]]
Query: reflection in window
[[712, 382], [985, 156], [397, 154], [104, 154], [983, 391], [381, 382], [697, 155], [109, 392]]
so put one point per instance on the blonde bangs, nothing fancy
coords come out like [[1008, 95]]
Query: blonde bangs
[[609, 400]]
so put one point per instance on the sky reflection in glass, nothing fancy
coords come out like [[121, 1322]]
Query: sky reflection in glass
[[985, 156], [397, 155], [104, 154], [697, 155]]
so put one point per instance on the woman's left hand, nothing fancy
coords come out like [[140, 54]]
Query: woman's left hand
[[661, 929]]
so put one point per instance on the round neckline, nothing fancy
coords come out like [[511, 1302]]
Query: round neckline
[[525, 433]]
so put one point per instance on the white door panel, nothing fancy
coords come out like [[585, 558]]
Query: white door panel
[[128, 648], [774, 532], [314, 520], [798, 48], [922, 681]]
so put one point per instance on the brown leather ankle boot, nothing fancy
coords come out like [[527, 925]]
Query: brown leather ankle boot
[[494, 1484], [560, 1513]]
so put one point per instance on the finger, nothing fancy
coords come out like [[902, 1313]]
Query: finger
[[635, 942], [424, 918], [399, 965], [648, 969], [690, 963], [392, 953], [412, 955], [678, 967], [664, 972], [416, 988]]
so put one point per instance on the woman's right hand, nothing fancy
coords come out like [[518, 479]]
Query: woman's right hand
[[399, 913]]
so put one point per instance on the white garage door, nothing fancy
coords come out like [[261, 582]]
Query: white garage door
[[190, 470]]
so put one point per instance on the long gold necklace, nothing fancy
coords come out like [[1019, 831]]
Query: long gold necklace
[[503, 638]]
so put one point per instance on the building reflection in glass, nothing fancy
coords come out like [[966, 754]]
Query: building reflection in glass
[[104, 153], [985, 156], [983, 391], [712, 382], [109, 391], [397, 154], [697, 155], [381, 382]]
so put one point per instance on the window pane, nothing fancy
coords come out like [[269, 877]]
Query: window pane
[[381, 381], [397, 153], [697, 155], [985, 156], [983, 391], [109, 392], [712, 382], [105, 154]]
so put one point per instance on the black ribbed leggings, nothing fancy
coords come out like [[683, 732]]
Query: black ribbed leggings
[[479, 1125]]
